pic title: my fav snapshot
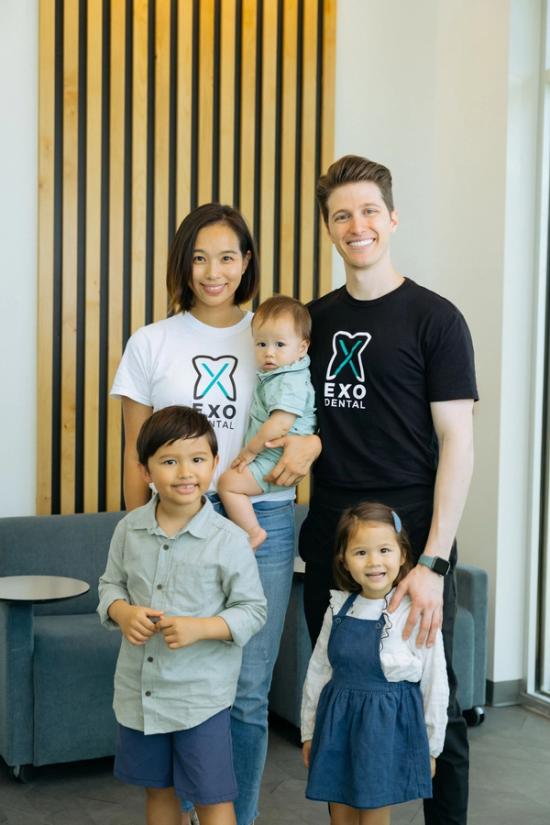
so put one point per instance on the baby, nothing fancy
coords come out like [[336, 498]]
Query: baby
[[283, 402]]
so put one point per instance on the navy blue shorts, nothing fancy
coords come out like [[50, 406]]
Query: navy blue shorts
[[197, 762]]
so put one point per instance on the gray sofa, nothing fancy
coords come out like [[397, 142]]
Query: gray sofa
[[469, 647], [56, 661]]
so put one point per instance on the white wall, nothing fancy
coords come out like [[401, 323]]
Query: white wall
[[445, 94], [18, 222]]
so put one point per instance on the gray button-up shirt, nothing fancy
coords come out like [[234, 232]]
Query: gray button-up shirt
[[207, 569]]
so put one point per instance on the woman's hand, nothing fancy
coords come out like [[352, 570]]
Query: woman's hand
[[306, 752], [136, 490], [432, 763], [299, 453]]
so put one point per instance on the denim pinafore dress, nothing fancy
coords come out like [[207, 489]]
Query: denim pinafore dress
[[370, 746]]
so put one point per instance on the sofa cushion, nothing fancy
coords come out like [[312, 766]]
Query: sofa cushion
[[73, 671]]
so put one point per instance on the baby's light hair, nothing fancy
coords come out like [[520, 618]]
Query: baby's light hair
[[279, 305], [376, 513]]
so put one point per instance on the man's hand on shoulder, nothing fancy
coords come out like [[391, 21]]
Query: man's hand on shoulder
[[425, 590]]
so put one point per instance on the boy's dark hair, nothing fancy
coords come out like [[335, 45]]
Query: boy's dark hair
[[180, 256], [354, 169], [170, 424], [349, 522], [284, 305]]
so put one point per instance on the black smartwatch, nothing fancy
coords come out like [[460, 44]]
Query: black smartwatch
[[435, 563]]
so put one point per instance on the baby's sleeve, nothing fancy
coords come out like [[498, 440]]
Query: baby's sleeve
[[287, 392]]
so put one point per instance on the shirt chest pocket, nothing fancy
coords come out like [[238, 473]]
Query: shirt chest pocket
[[195, 589]]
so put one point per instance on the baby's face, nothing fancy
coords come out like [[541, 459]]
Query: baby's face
[[277, 343]]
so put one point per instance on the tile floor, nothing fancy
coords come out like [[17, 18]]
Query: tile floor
[[510, 783]]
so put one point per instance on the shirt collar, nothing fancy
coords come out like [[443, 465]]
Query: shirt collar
[[296, 366], [144, 518]]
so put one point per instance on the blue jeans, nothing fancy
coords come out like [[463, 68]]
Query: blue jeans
[[275, 559]]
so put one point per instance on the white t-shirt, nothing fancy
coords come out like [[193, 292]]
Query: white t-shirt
[[180, 360]]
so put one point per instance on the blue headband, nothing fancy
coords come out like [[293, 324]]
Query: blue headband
[[396, 522]]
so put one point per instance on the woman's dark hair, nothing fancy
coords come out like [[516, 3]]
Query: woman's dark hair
[[350, 520], [171, 424], [180, 256]]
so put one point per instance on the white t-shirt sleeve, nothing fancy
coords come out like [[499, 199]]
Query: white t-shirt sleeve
[[133, 376]]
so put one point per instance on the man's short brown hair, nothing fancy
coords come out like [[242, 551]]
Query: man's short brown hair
[[354, 169], [280, 305]]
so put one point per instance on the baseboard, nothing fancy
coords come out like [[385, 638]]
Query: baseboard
[[501, 694]]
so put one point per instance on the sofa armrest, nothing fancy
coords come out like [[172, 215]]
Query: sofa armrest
[[472, 594], [16, 688]]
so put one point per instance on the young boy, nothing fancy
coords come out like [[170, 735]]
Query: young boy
[[182, 585], [283, 402]]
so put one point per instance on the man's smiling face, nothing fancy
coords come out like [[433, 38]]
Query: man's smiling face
[[359, 224]]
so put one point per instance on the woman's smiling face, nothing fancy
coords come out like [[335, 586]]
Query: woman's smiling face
[[218, 266]]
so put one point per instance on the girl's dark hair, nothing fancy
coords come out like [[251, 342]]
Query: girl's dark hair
[[180, 256], [350, 520], [170, 424]]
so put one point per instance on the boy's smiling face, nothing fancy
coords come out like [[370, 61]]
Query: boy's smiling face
[[182, 472]]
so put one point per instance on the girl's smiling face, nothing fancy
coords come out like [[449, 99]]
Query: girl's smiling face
[[218, 266], [373, 558]]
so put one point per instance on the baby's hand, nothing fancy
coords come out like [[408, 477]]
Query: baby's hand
[[180, 631], [306, 752], [136, 622], [432, 763], [245, 457]]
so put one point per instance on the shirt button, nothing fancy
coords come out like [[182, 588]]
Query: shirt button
[[159, 586], [337, 621], [166, 547], [149, 658], [147, 692]]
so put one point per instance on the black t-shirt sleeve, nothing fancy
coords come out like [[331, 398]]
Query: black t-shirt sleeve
[[449, 357]]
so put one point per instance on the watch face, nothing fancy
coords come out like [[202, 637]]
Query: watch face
[[440, 566]]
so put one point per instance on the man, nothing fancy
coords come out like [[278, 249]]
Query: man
[[393, 370]]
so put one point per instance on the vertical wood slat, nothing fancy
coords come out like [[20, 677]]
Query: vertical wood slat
[[256, 179], [69, 256], [139, 161], [184, 108], [227, 110], [307, 159], [116, 246], [93, 248], [45, 257], [206, 85], [288, 148], [269, 137], [327, 126], [162, 154], [248, 115]]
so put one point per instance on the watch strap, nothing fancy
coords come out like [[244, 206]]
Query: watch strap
[[435, 563]]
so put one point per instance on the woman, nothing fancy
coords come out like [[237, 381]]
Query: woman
[[202, 356]]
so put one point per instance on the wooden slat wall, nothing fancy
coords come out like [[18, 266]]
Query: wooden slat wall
[[147, 109]]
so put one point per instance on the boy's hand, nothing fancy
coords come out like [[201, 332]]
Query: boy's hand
[[134, 621], [180, 631], [432, 763], [306, 752], [245, 457]]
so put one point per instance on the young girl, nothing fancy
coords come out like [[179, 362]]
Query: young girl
[[283, 402], [375, 705]]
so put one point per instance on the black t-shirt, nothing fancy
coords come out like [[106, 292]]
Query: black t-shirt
[[376, 366]]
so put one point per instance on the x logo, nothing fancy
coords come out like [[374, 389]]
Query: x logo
[[211, 373], [346, 351]]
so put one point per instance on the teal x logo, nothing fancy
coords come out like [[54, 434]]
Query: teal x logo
[[346, 351], [215, 374]]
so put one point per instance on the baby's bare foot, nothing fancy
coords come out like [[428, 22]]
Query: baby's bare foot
[[257, 537]]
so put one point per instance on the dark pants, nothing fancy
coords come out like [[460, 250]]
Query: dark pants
[[317, 540]]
